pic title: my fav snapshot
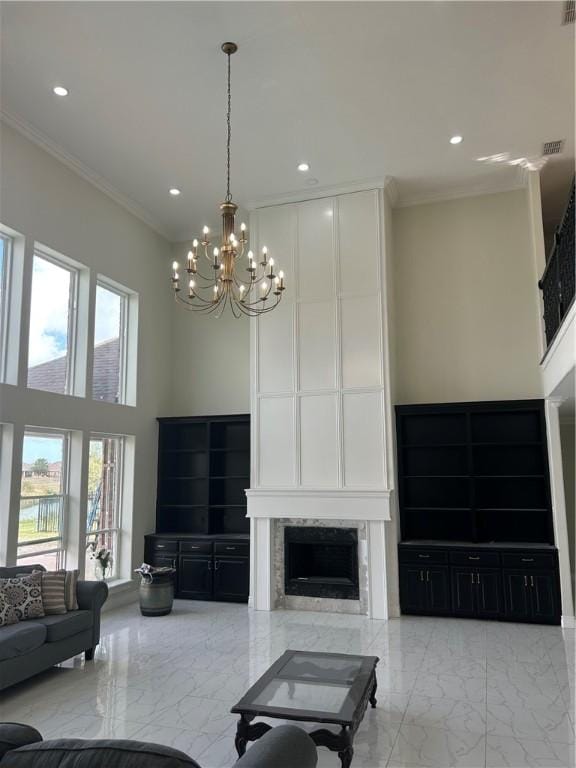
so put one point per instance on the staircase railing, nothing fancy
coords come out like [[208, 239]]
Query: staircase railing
[[558, 281]]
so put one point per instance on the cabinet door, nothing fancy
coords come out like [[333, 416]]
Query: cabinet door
[[195, 577], [412, 589], [438, 590], [463, 592], [231, 579], [543, 596], [488, 593], [517, 603]]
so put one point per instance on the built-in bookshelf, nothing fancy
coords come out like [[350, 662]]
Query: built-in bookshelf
[[475, 472], [203, 471]]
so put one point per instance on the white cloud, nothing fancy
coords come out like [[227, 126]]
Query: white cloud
[[107, 320], [49, 313]]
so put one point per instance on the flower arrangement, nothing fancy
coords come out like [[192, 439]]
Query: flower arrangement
[[101, 555]]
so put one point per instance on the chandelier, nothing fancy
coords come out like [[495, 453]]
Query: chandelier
[[234, 278]]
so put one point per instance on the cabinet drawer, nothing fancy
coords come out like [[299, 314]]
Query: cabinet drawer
[[164, 546], [423, 556], [528, 560], [475, 558], [231, 548], [196, 547]]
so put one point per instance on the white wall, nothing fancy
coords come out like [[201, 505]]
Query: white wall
[[568, 441], [44, 200], [211, 366], [467, 312]]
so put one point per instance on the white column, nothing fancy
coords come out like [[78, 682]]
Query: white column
[[552, 406], [377, 577], [262, 557]]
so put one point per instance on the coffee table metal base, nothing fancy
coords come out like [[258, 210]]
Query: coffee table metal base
[[341, 742]]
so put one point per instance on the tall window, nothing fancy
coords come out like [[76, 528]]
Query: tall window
[[43, 499], [108, 382], [52, 325], [104, 501], [5, 255]]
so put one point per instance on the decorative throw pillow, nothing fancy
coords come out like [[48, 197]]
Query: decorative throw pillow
[[53, 592], [70, 590], [25, 595], [7, 612]]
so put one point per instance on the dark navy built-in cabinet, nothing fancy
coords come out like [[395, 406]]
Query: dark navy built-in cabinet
[[475, 511], [201, 524]]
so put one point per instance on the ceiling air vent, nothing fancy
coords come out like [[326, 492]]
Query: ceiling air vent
[[552, 147], [569, 12]]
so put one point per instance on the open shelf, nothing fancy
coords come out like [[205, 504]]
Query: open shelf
[[203, 471], [474, 471]]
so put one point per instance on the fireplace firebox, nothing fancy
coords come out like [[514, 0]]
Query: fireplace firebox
[[321, 562]]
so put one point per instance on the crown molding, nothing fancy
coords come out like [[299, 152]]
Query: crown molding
[[489, 186], [315, 193], [32, 133]]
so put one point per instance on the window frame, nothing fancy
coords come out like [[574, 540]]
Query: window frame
[[5, 285], [64, 495], [73, 269], [124, 296], [116, 530]]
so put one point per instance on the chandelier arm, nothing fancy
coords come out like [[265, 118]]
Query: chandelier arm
[[249, 312]]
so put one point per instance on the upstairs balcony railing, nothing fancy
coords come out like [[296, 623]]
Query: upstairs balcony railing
[[557, 283]]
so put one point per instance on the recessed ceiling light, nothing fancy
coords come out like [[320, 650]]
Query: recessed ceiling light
[[456, 140], [174, 191], [303, 167], [59, 90]]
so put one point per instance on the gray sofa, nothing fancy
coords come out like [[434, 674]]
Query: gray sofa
[[22, 747], [30, 647]]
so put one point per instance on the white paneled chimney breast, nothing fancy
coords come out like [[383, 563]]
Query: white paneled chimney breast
[[321, 404]]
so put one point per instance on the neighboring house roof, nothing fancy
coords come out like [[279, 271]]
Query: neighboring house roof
[[51, 376]]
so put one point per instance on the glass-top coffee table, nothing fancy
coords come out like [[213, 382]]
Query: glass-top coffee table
[[332, 688]]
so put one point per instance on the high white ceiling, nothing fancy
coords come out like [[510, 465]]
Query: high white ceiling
[[358, 89]]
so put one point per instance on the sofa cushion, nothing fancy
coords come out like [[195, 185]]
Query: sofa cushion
[[21, 638], [59, 627], [7, 612], [79, 753], [25, 594], [14, 735], [53, 592]]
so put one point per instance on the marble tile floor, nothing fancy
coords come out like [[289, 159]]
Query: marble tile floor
[[450, 692]]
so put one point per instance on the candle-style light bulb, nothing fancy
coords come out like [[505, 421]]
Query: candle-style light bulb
[[194, 243], [281, 275], [192, 284], [215, 252], [205, 230], [242, 227], [264, 251], [271, 262], [175, 266]]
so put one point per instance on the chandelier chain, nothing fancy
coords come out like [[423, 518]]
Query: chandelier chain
[[229, 125]]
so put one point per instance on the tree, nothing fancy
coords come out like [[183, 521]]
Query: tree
[[40, 467]]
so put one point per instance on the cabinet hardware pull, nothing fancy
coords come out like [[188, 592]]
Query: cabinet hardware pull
[[427, 575], [194, 547], [231, 548], [527, 559], [216, 565], [473, 558], [160, 546], [472, 577], [531, 581], [421, 575], [424, 557], [477, 578], [525, 581]]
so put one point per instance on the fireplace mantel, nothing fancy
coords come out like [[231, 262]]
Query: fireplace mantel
[[332, 504]]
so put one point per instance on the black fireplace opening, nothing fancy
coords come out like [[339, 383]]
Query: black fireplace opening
[[321, 562]]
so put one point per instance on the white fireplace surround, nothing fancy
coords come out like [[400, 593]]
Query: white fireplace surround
[[267, 506]]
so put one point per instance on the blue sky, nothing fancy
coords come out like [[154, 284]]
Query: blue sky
[[49, 448], [49, 315]]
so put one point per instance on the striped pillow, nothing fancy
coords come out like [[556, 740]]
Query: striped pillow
[[70, 590], [53, 588]]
